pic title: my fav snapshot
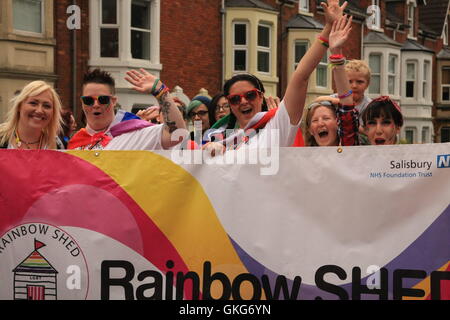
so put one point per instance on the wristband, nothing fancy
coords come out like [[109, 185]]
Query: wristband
[[323, 41], [154, 86], [345, 95], [157, 92]]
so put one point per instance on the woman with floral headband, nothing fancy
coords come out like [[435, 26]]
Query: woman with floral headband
[[34, 120], [245, 94]]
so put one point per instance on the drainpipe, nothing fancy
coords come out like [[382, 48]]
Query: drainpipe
[[74, 69], [222, 14]]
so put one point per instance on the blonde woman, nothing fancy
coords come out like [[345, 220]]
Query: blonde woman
[[34, 120]]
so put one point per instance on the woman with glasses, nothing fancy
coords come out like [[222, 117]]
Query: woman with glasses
[[198, 112], [219, 108], [34, 120], [245, 94]]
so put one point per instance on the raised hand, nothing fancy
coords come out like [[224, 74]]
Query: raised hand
[[272, 103], [141, 80], [340, 32], [332, 10]]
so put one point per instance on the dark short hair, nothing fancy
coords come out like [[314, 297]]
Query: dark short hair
[[100, 77], [382, 107], [243, 77]]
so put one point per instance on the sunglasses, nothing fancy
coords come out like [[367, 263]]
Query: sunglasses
[[249, 96], [321, 103], [90, 100], [200, 113]]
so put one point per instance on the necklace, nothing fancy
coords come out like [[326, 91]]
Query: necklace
[[27, 144]]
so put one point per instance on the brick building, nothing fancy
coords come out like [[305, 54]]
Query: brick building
[[194, 45]]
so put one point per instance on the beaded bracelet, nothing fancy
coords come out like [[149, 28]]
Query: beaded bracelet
[[323, 41], [345, 95]]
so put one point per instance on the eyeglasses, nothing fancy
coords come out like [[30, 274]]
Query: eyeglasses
[[90, 100], [225, 107], [200, 113], [249, 96]]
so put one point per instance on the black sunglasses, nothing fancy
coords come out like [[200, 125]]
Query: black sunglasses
[[201, 113], [90, 100]]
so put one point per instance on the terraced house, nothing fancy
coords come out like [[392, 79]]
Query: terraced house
[[196, 45]]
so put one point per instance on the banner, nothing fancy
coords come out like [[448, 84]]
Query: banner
[[332, 223]]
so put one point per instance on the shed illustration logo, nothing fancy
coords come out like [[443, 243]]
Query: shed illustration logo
[[37, 275], [41, 262]]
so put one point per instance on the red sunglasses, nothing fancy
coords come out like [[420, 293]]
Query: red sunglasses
[[249, 96]]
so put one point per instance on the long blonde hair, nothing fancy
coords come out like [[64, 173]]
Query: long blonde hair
[[8, 128]]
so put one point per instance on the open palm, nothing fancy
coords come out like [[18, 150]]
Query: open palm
[[340, 32], [332, 10]]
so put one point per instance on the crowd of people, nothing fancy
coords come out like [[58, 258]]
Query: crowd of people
[[239, 117]]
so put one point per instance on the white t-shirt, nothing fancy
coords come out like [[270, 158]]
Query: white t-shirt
[[280, 123], [143, 139]]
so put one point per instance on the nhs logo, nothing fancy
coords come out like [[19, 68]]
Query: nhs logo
[[443, 161]]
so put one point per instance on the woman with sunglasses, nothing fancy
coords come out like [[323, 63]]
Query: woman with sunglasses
[[331, 121], [34, 120], [245, 94]]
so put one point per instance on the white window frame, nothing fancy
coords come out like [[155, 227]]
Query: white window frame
[[373, 73], [303, 6], [142, 30], [241, 47], [109, 26], [426, 80], [392, 75], [31, 33], [411, 20], [125, 59], [264, 49], [415, 63], [445, 32], [377, 20], [425, 134], [299, 41], [414, 135], [323, 65], [444, 85]]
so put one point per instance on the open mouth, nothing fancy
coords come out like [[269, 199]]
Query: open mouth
[[379, 141], [247, 111], [97, 113], [323, 134]]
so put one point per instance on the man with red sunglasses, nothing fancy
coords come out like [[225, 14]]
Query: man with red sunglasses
[[124, 131]]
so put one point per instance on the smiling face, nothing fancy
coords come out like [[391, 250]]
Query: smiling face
[[36, 112], [246, 108], [323, 126], [99, 116], [381, 131]]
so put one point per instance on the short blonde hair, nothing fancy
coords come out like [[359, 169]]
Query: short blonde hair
[[359, 66], [8, 128]]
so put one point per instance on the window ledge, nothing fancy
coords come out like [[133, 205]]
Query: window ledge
[[133, 63]]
